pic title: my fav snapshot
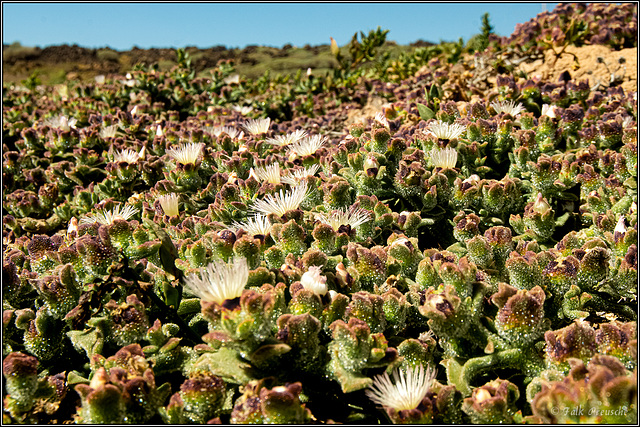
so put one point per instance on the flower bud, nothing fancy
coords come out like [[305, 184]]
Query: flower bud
[[539, 218], [492, 403]]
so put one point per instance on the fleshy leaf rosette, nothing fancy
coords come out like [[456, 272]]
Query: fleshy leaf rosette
[[353, 349], [201, 398], [122, 390], [577, 341], [21, 380], [260, 404], [600, 392], [493, 403], [520, 320]]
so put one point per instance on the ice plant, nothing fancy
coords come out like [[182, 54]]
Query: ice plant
[[108, 132], [380, 118], [444, 158], [130, 82], [257, 126], [406, 391], [128, 155], [61, 122], [508, 107], [219, 281], [107, 217], [243, 109], [352, 217], [257, 225], [282, 202], [540, 205], [269, 173], [187, 153], [549, 111], [232, 79], [294, 177], [290, 138], [169, 203], [519, 258], [315, 282], [219, 130], [307, 146], [443, 130]]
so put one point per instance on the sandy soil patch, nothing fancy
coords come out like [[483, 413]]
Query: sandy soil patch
[[588, 67]]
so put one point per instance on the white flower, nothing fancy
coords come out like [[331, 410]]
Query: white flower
[[627, 122], [159, 131], [508, 107], [473, 180], [282, 202], [108, 132], [406, 391], [128, 155], [306, 146], [257, 126], [352, 217], [289, 138], [243, 109], [380, 118], [620, 226], [169, 203], [233, 78], [313, 281], [258, 224], [61, 122], [73, 226], [107, 217], [99, 79], [444, 130], [300, 174], [269, 173], [219, 281], [187, 153], [401, 241], [218, 130], [549, 110], [129, 81], [444, 158]]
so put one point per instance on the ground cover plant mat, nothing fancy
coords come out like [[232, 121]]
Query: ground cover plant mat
[[446, 234]]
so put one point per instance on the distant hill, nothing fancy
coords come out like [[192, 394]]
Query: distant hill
[[55, 64]]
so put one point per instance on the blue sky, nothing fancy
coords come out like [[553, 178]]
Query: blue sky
[[122, 26]]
